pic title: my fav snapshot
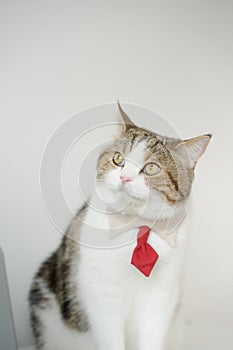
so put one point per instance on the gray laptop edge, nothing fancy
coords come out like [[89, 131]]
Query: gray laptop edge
[[7, 330]]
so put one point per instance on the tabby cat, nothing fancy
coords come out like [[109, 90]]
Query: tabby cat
[[121, 297]]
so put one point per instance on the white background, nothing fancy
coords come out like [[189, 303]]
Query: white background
[[59, 57]]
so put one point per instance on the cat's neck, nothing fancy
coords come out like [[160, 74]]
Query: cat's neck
[[124, 218]]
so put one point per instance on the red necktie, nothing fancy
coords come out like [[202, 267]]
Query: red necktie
[[144, 256]]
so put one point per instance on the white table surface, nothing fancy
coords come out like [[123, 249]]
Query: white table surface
[[199, 337]]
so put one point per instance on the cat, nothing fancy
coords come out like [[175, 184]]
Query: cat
[[90, 298]]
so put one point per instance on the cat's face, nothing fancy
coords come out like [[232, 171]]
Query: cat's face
[[145, 167]]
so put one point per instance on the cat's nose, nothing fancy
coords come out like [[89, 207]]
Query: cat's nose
[[125, 179]]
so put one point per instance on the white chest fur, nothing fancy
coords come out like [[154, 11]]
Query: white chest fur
[[119, 300]]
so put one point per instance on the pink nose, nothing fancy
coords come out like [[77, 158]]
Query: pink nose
[[125, 179]]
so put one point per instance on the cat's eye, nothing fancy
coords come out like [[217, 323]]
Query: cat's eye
[[118, 159], [151, 169]]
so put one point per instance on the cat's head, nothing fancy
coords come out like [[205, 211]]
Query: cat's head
[[148, 170]]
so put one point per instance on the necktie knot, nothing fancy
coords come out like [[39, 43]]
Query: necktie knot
[[143, 235]]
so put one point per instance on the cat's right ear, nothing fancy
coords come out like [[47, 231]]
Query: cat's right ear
[[125, 120], [191, 150]]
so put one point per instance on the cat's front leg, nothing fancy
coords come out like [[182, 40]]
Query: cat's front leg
[[107, 327], [106, 320], [153, 337], [108, 338], [102, 293], [158, 311]]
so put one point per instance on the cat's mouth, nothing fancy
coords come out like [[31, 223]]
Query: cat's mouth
[[131, 192], [127, 190]]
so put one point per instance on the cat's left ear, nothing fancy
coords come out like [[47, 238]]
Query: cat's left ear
[[126, 121], [191, 150]]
